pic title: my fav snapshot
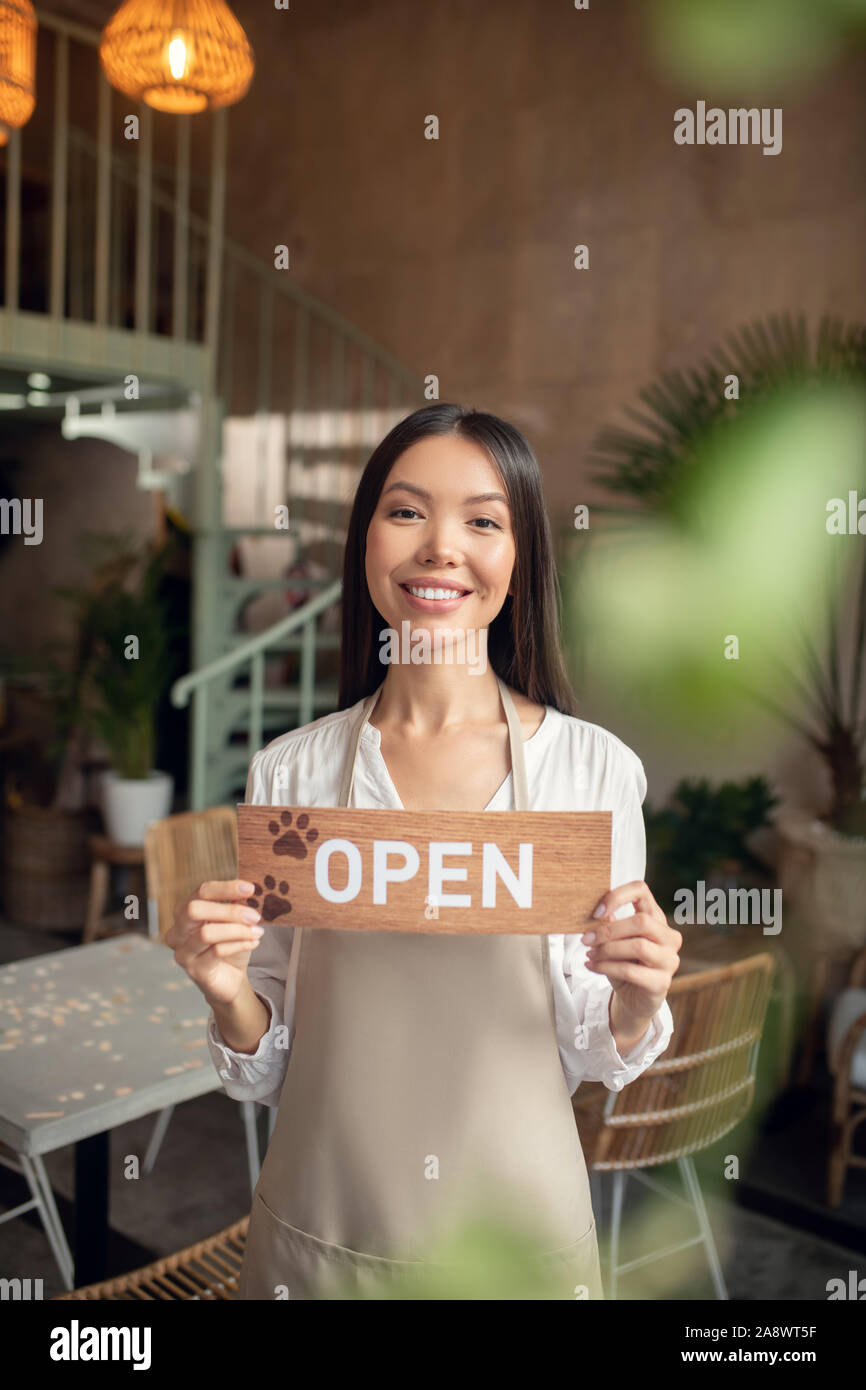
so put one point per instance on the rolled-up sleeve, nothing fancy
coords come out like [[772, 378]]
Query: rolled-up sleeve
[[590, 1053], [249, 1075]]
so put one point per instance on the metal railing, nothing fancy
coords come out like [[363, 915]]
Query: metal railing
[[134, 279], [84, 233], [197, 684]]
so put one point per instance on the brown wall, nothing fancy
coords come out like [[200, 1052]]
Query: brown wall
[[457, 254], [86, 485]]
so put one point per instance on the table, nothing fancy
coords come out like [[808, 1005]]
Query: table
[[92, 1037]]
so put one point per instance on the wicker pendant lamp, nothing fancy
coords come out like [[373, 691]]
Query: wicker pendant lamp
[[17, 65], [179, 56]]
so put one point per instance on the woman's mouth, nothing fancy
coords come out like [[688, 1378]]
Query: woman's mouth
[[434, 598]]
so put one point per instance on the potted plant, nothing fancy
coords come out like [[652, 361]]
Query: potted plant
[[703, 834], [822, 860], [126, 670], [651, 471]]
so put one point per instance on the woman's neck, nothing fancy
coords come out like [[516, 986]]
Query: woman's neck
[[428, 699]]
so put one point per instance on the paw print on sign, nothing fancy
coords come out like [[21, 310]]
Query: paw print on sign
[[272, 907], [291, 840]]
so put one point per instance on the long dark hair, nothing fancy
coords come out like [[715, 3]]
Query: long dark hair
[[523, 644]]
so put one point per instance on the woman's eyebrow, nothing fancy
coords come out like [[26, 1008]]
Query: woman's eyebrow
[[428, 497]]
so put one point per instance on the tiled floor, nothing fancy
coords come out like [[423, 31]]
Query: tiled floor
[[776, 1237]]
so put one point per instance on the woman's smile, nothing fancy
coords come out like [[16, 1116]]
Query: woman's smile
[[434, 598]]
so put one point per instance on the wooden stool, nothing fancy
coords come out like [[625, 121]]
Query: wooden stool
[[106, 852]]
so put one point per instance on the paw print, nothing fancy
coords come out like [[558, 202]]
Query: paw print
[[271, 900], [272, 907], [290, 841]]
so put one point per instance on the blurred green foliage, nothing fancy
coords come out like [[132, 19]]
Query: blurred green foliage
[[737, 45], [712, 581], [702, 832]]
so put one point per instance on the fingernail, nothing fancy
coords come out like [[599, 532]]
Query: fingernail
[[257, 931], [589, 936], [250, 915], [246, 887], [599, 911]]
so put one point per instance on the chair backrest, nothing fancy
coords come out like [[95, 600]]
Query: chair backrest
[[183, 851], [703, 1085]]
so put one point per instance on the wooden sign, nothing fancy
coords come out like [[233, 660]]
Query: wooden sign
[[426, 871]]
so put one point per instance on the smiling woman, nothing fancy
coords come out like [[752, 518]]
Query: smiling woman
[[466, 484], [427, 1079]]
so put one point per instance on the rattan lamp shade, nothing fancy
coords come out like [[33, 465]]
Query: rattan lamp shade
[[179, 56], [17, 65]]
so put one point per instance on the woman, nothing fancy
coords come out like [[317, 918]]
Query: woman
[[421, 1075]]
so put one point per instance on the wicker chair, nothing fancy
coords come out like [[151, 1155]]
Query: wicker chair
[[846, 1056], [206, 1272], [180, 853], [697, 1091]]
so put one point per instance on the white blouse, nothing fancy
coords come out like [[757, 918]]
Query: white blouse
[[571, 765]]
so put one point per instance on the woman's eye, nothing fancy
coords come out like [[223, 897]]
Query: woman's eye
[[410, 511]]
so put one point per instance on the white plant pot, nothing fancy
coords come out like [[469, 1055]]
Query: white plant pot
[[129, 806], [822, 875]]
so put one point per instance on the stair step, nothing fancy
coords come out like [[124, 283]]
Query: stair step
[[325, 694], [233, 583], [325, 641], [232, 533]]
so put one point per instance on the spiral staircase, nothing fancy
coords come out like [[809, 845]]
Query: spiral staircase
[[249, 404]]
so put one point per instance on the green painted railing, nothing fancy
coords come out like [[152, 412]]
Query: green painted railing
[[198, 684], [140, 277]]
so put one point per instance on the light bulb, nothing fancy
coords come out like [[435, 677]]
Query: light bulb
[[177, 56]]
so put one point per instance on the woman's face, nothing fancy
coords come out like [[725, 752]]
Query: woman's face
[[438, 527]]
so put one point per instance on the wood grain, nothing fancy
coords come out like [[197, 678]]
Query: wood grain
[[565, 870]]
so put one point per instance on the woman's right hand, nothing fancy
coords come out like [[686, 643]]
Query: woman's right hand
[[213, 936]]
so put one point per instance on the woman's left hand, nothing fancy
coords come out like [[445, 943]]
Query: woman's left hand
[[639, 954]]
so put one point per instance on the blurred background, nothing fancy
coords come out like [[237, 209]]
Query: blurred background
[[223, 281]]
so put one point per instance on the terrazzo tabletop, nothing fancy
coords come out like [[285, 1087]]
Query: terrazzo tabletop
[[93, 1036]]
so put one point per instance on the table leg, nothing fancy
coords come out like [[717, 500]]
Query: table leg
[[91, 1208]]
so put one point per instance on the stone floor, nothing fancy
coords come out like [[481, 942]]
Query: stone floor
[[776, 1237]]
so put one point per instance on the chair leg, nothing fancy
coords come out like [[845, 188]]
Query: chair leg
[[596, 1192], [617, 1200], [817, 994], [40, 1188], [690, 1178], [157, 1137], [786, 987], [248, 1111], [97, 899]]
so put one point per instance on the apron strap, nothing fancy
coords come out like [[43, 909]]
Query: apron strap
[[354, 743], [515, 738]]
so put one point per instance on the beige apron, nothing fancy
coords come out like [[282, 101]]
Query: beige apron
[[424, 1085]]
